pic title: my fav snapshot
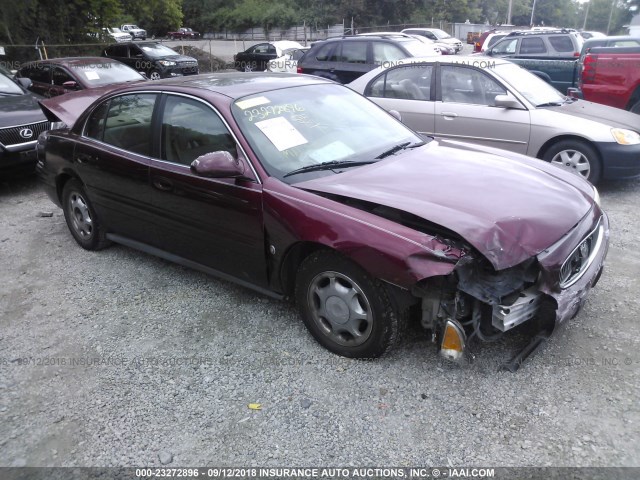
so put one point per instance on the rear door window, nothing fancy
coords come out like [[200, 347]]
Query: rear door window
[[386, 52], [128, 123], [410, 82], [532, 46], [354, 52]]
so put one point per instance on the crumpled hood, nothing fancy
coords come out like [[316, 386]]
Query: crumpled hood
[[19, 110], [596, 112], [509, 207]]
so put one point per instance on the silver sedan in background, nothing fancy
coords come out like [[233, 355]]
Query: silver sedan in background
[[496, 103]]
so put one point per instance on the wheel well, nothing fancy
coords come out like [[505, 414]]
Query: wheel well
[[61, 180], [555, 140], [292, 259], [635, 96]]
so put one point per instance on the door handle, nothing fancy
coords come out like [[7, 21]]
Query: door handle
[[86, 158], [163, 184], [449, 114]]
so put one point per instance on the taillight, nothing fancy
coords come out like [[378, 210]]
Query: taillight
[[299, 69], [589, 68]]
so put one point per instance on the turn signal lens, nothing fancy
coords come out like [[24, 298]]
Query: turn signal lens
[[453, 341], [625, 137]]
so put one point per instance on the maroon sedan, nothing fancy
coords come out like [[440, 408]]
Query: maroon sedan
[[58, 76], [298, 187]]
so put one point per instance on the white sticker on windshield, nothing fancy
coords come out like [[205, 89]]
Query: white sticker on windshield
[[333, 151], [281, 133], [92, 75], [252, 102]]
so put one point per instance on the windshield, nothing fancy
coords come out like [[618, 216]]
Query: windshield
[[418, 48], [116, 30], [530, 86], [158, 51], [441, 34], [297, 127], [96, 74], [8, 86]]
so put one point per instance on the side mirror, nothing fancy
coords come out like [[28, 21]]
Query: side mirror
[[489, 53], [395, 114], [507, 101], [218, 165], [70, 85], [25, 82]]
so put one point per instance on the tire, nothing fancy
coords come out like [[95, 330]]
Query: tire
[[81, 218], [154, 75], [248, 67], [577, 157], [346, 311]]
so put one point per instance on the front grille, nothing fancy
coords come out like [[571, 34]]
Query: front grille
[[11, 136], [581, 257], [189, 67]]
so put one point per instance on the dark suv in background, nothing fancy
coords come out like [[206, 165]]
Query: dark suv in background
[[346, 58], [154, 59]]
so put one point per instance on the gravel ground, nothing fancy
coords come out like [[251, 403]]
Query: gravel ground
[[131, 360]]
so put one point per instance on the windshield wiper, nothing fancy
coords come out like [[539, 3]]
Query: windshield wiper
[[328, 166], [550, 104], [399, 147]]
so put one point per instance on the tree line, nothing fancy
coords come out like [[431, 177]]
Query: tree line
[[74, 21]]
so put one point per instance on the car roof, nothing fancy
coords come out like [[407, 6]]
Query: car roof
[[233, 85], [238, 84], [75, 61]]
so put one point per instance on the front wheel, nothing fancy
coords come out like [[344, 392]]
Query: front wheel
[[346, 310], [576, 156], [154, 75], [81, 218]]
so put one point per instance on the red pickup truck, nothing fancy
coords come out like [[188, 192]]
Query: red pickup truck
[[183, 33], [611, 76]]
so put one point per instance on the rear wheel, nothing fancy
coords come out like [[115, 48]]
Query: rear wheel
[[154, 75], [81, 218], [346, 310], [576, 156]]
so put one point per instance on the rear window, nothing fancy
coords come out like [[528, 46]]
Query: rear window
[[323, 52], [493, 40], [561, 43]]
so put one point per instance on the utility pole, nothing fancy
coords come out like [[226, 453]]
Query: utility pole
[[509, 12], [586, 15], [613, 4], [533, 10]]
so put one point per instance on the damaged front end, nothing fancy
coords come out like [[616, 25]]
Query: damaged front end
[[477, 302]]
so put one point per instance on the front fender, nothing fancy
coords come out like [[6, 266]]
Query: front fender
[[387, 250]]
